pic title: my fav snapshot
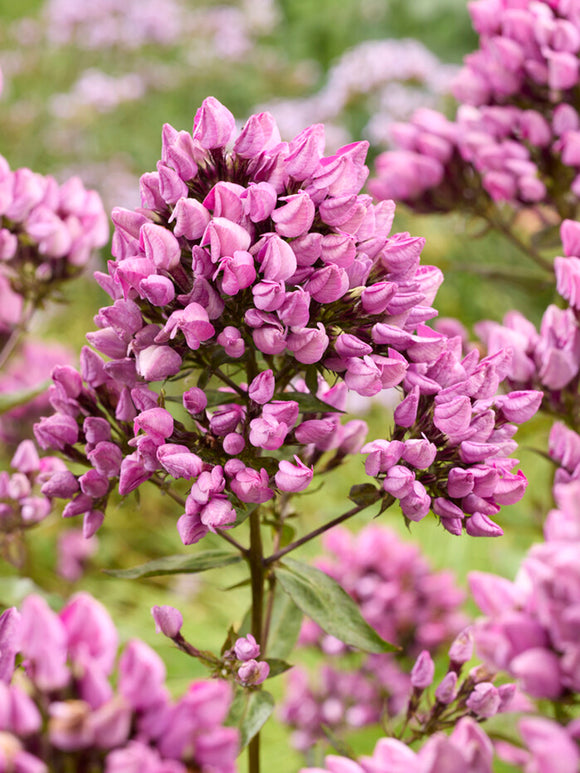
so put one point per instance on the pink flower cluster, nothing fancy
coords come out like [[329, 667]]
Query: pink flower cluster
[[47, 233], [22, 505], [67, 662], [516, 135], [548, 359], [267, 260], [531, 629], [249, 670], [449, 452], [467, 749]]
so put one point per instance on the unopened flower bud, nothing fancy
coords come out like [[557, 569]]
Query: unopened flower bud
[[461, 649], [447, 689], [423, 671], [253, 672], [168, 620], [247, 648]]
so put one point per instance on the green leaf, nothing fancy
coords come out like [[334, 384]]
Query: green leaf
[[11, 400], [321, 598], [204, 378], [215, 397], [364, 494], [284, 626], [240, 584], [548, 238], [308, 403], [312, 379], [288, 535], [244, 512], [249, 711], [277, 666], [181, 564], [230, 640]]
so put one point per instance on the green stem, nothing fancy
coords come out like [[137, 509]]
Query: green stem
[[527, 249], [312, 534], [16, 335], [255, 557], [229, 382]]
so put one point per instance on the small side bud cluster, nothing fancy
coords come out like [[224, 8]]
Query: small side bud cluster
[[475, 696], [239, 663], [67, 663], [453, 434], [23, 502], [250, 671], [47, 233]]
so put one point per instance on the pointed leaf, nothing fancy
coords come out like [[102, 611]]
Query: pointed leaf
[[322, 598], [277, 666], [243, 512], [230, 640], [547, 239], [311, 379], [309, 403], [364, 494], [10, 400], [181, 564], [215, 397], [204, 378], [284, 626], [249, 711]]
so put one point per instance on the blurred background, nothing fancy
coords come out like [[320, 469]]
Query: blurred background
[[88, 85]]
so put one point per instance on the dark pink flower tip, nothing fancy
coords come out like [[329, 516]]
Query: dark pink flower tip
[[461, 650], [423, 671], [168, 620], [447, 689], [213, 125]]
